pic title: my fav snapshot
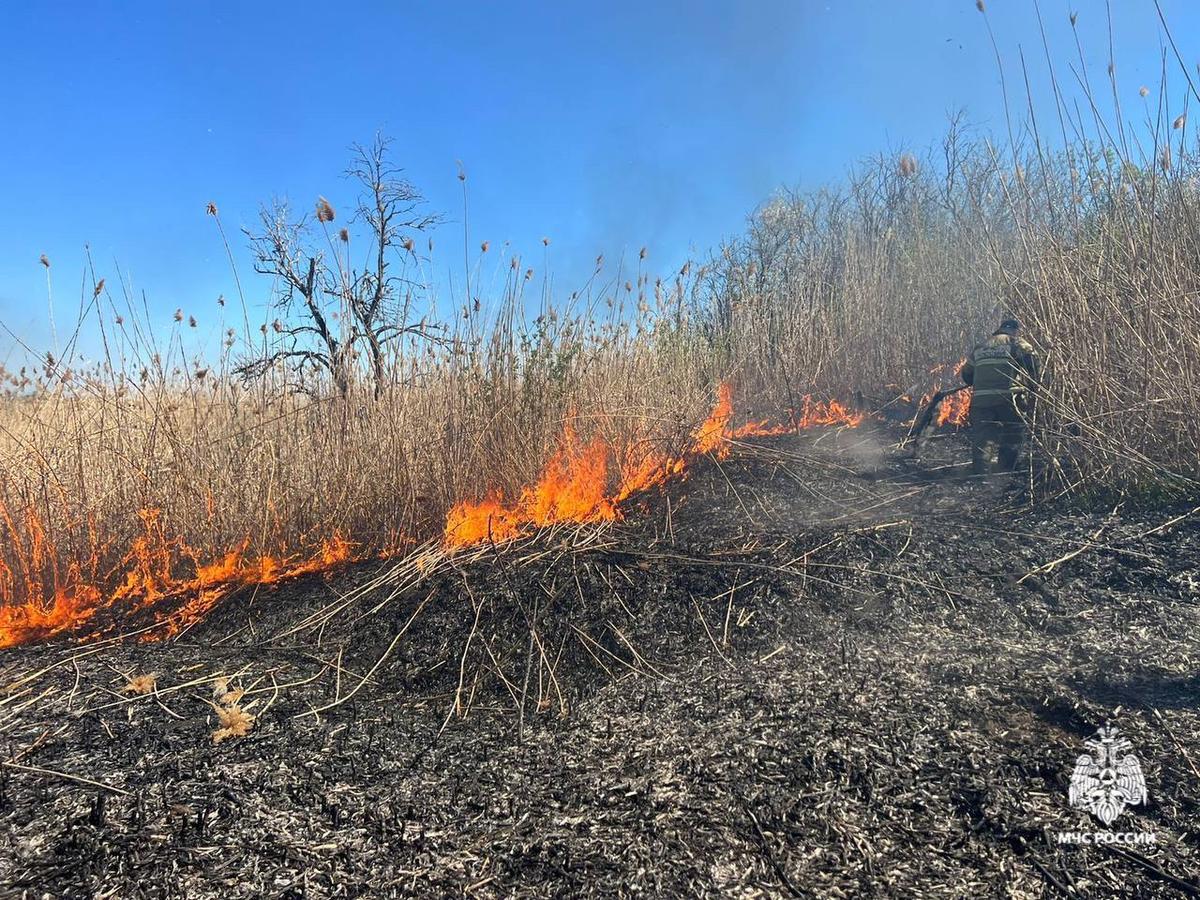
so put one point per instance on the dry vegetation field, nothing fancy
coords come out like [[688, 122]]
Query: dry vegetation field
[[370, 417], [147, 470]]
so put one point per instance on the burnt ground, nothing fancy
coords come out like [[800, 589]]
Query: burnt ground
[[817, 669]]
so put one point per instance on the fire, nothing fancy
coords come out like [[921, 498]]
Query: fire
[[955, 408], [153, 575], [712, 436], [812, 414], [575, 484], [172, 585], [470, 523], [651, 471], [572, 488]]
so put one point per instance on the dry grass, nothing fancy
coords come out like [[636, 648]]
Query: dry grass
[[862, 287], [278, 466], [141, 685], [234, 721]]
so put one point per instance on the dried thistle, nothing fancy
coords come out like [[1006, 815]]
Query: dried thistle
[[1143, 91], [141, 685], [545, 242], [1180, 121], [344, 234], [191, 321], [907, 165], [99, 288], [277, 326], [642, 253], [178, 315], [324, 210], [44, 260], [235, 722], [119, 320], [1074, 18], [211, 209], [979, 6], [221, 300], [407, 244], [483, 247]]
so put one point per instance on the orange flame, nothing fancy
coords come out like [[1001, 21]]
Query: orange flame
[[571, 489], [712, 436], [148, 579], [574, 486], [161, 576], [955, 409]]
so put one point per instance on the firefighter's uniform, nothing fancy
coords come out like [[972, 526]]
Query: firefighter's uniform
[[1003, 371]]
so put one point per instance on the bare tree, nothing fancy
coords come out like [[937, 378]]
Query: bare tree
[[327, 308]]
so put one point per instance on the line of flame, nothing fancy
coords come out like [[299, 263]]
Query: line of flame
[[39, 600], [574, 485], [148, 580]]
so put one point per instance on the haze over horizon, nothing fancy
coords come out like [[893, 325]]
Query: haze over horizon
[[659, 126]]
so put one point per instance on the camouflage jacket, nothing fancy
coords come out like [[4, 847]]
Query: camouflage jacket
[[1000, 367]]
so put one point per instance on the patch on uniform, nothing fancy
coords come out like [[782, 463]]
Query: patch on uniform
[[992, 353]]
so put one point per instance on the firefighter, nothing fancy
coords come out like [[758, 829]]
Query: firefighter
[[1003, 371]]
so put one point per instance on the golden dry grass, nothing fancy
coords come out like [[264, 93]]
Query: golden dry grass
[[863, 287]]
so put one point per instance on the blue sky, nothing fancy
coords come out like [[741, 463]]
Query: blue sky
[[603, 126]]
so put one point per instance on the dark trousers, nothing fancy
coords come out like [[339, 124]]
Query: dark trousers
[[998, 432]]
